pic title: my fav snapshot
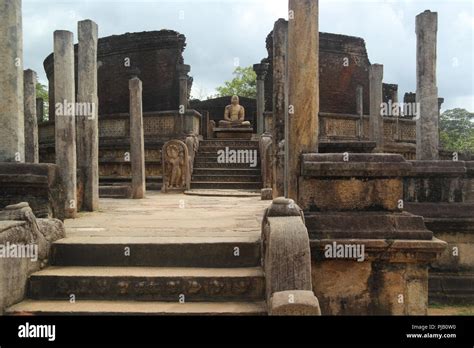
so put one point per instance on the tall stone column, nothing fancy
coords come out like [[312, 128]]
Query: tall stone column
[[137, 142], [12, 138], [280, 43], [87, 125], [183, 71], [303, 91], [40, 109], [376, 99], [31, 119], [360, 109], [261, 71], [65, 119], [427, 136]]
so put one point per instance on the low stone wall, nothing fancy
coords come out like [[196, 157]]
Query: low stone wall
[[114, 142], [368, 256], [20, 230], [440, 191], [38, 184]]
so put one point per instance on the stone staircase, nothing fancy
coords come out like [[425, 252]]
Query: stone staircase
[[210, 174], [158, 276]]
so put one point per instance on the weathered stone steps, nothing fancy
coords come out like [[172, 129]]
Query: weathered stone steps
[[156, 252], [222, 178], [226, 185], [115, 191], [210, 174], [226, 171], [148, 284], [138, 308]]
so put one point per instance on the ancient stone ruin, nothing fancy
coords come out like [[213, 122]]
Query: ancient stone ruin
[[368, 215]]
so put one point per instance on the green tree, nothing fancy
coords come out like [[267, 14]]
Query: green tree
[[457, 130], [244, 84], [42, 92]]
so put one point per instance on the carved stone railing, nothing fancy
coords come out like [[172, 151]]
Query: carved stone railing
[[286, 261], [21, 230], [335, 127]]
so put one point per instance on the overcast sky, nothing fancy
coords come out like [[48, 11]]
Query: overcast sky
[[219, 31]]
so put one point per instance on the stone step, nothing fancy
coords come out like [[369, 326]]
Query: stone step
[[115, 191], [230, 143], [207, 164], [227, 178], [226, 185], [226, 171], [31, 307], [157, 252], [148, 284]]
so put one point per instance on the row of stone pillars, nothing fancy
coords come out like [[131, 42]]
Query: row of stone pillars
[[296, 93], [87, 137], [78, 166]]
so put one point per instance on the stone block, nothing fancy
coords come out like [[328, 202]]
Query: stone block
[[294, 303]]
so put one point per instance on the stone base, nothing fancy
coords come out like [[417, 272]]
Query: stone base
[[233, 133], [371, 225], [452, 275], [347, 146], [451, 288], [391, 280], [37, 184]]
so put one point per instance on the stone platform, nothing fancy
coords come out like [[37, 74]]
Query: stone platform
[[233, 133], [188, 255]]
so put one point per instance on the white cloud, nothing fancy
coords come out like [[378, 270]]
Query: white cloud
[[217, 31]]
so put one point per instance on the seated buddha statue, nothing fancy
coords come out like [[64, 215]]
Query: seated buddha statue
[[234, 115]]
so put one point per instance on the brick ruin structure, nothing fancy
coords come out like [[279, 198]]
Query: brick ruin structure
[[339, 174]]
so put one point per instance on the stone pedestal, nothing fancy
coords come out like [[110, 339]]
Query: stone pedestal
[[31, 119], [427, 138], [261, 71], [65, 120], [369, 257], [12, 138], [87, 125], [137, 144], [303, 86], [280, 107], [376, 95]]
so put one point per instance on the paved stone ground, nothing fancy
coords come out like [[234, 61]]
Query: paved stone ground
[[172, 215]]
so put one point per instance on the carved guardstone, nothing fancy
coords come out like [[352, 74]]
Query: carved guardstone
[[176, 170]]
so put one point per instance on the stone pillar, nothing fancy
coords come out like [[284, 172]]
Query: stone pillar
[[12, 138], [376, 99], [261, 71], [137, 143], [427, 137], [65, 119], [183, 71], [280, 44], [87, 124], [303, 86], [40, 109], [31, 120], [360, 109]]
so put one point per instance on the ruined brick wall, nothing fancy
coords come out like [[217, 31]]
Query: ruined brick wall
[[153, 58], [343, 65]]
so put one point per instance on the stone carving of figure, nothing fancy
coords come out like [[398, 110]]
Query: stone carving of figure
[[175, 166], [234, 115]]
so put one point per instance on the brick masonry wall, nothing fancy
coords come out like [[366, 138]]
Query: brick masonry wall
[[153, 58], [338, 81]]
